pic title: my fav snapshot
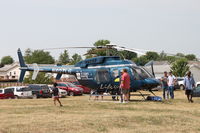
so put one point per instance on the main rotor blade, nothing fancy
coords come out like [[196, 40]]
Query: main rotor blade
[[64, 48]]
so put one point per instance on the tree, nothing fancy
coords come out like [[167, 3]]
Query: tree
[[180, 55], [75, 59], [6, 60], [42, 78], [180, 67], [162, 56], [64, 58], [141, 61], [96, 51], [171, 59], [152, 56], [38, 56], [191, 57]]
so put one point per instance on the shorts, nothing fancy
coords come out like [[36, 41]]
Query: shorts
[[188, 92], [125, 91], [55, 97]]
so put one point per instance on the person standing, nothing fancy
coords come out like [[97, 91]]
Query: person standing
[[171, 82], [189, 85], [55, 93], [125, 85], [164, 80]]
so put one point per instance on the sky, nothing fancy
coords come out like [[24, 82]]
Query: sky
[[172, 26]]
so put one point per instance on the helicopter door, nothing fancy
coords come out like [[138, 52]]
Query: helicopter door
[[148, 67], [136, 81], [103, 76], [115, 76]]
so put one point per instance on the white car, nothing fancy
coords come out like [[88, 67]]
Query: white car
[[62, 93], [180, 81], [21, 92]]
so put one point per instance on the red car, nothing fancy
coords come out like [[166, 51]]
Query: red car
[[70, 88], [6, 93], [86, 90]]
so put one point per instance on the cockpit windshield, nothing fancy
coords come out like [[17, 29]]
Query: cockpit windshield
[[140, 73]]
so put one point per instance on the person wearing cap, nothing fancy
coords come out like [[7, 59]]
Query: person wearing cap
[[165, 86], [125, 85], [189, 84]]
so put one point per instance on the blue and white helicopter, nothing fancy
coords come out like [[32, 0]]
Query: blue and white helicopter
[[98, 73]]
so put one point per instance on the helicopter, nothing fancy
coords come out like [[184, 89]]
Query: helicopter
[[98, 73]]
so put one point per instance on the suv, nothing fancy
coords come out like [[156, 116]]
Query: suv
[[21, 92], [70, 88], [40, 90], [6, 93]]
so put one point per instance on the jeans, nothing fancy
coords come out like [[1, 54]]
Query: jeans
[[165, 92], [171, 91]]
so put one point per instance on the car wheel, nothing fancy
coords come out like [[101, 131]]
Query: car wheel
[[182, 87], [34, 96], [16, 97], [71, 93]]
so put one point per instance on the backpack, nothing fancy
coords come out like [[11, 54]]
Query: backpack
[[154, 98]]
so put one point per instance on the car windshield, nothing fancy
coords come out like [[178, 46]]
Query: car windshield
[[71, 85], [76, 83], [1, 91], [23, 89], [180, 79]]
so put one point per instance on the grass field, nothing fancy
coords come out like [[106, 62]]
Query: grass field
[[79, 115]]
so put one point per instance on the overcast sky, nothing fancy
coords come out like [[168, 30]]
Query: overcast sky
[[169, 25]]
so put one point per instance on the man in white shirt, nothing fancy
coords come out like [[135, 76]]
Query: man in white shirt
[[171, 82]]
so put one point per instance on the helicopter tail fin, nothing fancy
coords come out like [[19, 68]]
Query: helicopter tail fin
[[22, 65]]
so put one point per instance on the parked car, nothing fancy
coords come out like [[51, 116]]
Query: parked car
[[21, 92], [198, 84], [6, 93], [62, 93], [70, 88], [40, 90], [196, 92], [86, 90], [180, 83]]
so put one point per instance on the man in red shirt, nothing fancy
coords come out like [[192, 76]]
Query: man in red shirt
[[125, 85]]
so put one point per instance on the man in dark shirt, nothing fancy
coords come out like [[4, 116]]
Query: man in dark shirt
[[165, 87], [55, 93]]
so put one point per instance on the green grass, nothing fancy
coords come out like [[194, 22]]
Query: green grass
[[80, 115]]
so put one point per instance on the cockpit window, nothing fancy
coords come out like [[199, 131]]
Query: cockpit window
[[140, 72], [102, 76], [115, 73], [135, 74]]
